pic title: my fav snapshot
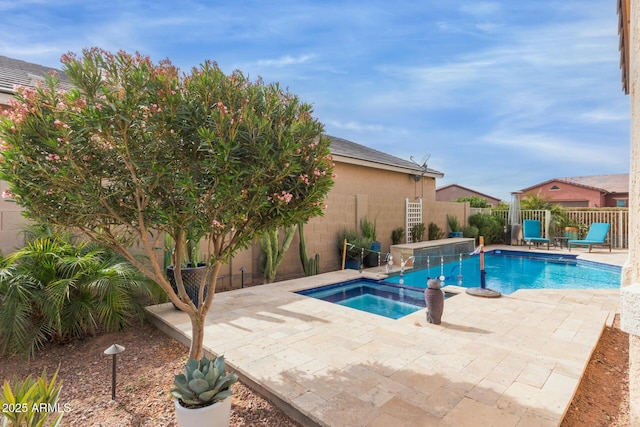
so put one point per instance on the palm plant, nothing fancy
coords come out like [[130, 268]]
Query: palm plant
[[58, 290]]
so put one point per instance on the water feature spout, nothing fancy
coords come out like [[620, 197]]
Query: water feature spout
[[389, 262], [403, 262]]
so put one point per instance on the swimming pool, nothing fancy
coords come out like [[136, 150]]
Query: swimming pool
[[373, 296], [509, 271], [506, 272]]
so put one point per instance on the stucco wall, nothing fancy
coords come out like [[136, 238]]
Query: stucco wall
[[11, 222]]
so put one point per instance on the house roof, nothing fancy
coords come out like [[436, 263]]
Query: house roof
[[467, 189], [350, 152], [14, 72], [615, 183]]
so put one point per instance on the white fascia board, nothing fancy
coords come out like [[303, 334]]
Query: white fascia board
[[382, 166]]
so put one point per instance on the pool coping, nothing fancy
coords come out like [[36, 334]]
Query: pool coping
[[518, 358]]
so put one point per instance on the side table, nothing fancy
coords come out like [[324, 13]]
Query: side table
[[561, 241]]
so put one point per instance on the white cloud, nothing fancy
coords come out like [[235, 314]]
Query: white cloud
[[355, 126], [606, 115], [285, 61]]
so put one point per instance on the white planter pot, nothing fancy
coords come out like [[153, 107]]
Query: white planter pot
[[216, 415]]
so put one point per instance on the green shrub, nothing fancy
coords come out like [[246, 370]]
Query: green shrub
[[435, 232], [474, 201], [417, 232], [369, 229], [489, 226], [471, 231], [396, 235], [57, 290], [356, 243], [454, 224]]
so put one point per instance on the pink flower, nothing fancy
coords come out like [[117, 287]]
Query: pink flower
[[283, 197]]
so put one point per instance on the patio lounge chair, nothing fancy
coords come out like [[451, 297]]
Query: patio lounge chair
[[531, 233], [595, 237]]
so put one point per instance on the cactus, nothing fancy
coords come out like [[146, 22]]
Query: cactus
[[271, 255], [311, 266], [203, 383]]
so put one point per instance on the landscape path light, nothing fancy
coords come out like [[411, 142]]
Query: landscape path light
[[114, 350]]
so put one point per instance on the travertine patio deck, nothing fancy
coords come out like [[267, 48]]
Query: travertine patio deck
[[510, 361]]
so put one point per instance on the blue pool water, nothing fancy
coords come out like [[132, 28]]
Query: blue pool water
[[509, 271], [373, 296], [506, 272]]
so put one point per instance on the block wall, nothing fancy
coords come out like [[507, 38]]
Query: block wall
[[358, 192]]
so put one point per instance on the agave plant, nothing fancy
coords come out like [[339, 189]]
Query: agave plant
[[203, 383]]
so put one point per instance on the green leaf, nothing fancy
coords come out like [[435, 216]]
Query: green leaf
[[198, 385]]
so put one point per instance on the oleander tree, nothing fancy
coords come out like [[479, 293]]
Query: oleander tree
[[138, 149]]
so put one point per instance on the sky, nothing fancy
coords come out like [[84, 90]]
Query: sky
[[497, 95]]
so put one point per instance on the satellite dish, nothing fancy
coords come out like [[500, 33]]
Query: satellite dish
[[423, 162]]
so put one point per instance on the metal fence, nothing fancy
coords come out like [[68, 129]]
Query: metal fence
[[618, 219]]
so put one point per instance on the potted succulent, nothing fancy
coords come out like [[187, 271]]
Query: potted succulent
[[203, 393], [454, 226]]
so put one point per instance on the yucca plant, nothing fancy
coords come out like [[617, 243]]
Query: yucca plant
[[203, 383], [31, 402]]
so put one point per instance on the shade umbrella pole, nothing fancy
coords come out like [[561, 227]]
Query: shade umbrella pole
[[482, 291]]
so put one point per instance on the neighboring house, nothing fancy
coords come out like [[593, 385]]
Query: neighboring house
[[369, 183], [597, 191], [453, 192]]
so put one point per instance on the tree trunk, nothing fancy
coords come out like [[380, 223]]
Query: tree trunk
[[197, 334]]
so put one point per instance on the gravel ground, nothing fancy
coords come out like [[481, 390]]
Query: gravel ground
[[144, 375]]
